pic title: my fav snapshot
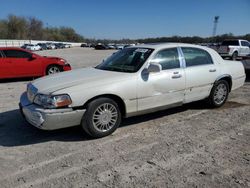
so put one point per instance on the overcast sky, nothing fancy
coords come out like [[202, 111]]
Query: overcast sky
[[114, 19]]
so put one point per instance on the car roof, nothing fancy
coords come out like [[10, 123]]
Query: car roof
[[158, 46], [15, 48], [11, 48], [235, 40]]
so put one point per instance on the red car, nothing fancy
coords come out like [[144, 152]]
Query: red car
[[17, 62]]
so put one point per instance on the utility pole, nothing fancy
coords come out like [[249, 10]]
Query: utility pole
[[216, 19]]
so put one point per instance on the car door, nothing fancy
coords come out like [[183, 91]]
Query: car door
[[5, 67], [245, 48], [200, 71], [163, 88], [22, 63]]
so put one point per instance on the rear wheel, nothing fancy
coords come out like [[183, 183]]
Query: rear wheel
[[234, 56], [52, 69], [219, 93], [102, 117]]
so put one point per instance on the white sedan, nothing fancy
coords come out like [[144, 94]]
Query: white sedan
[[33, 47], [133, 81]]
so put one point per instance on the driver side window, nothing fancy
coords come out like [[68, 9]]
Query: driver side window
[[168, 58], [16, 54]]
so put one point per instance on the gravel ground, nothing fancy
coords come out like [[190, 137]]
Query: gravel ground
[[188, 146]]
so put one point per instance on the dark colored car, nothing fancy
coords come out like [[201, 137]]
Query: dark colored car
[[59, 45], [83, 45], [17, 62], [101, 47], [43, 46], [91, 45]]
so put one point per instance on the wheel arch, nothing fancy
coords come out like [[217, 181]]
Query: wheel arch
[[117, 99], [236, 50], [227, 78]]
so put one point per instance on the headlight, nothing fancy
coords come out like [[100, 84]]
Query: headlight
[[63, 61], [31, 92], [50, 101]]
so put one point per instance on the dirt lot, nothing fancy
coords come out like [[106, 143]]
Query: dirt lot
[[188, 146]]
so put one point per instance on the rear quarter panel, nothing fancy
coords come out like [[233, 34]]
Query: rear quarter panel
[[234, 69], [237, 72]]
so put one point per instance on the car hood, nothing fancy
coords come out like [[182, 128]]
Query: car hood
[[89, 77]]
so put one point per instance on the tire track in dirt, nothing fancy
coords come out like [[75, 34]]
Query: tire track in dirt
[[77, 168]]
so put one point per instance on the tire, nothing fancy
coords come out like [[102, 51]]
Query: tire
[[101, 118], [218, 94], [234, 56], [52, 69]]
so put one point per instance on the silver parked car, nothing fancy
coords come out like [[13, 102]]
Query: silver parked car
[[133, 81]]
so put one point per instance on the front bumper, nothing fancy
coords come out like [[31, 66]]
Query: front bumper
[[67, 67], [49, 119]]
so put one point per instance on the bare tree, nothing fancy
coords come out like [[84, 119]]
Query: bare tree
[[35, 29], [3, 29], [17, 27]]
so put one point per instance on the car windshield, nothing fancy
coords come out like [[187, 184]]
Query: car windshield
[[126, 60]]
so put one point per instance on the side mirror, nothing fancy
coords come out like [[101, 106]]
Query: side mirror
[[154, 67], [33, 56]]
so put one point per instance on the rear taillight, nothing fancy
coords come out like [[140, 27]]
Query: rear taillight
[[228, 49]]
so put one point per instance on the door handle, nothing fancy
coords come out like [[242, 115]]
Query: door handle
[[212, 70], [176, 76]]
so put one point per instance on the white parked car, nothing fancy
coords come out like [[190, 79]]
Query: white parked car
[[33, 47], [67, 45], [133, 81]]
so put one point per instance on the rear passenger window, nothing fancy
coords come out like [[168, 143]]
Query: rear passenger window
[[168, 58], [230, 43], [16, 54], [1, 54], [195, 56]]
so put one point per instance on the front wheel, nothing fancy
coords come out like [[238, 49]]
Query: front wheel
[[101, 118], [219, 93], [52, 69]]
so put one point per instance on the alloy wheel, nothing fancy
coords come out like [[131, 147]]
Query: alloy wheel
[[105, 117], [53, 70], [220, 94]]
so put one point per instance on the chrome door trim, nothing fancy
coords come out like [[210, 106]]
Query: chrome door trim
[[181, 57]]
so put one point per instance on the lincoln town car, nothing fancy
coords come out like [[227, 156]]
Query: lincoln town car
[[136, 80]]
